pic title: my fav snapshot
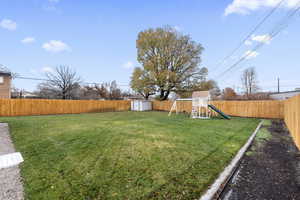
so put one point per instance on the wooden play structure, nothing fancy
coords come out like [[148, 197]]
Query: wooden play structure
[[201, 107], [175, 106], [200, 100]]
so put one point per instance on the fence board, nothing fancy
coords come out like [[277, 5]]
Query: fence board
[[260, 109], [292, 117], [25, 107]]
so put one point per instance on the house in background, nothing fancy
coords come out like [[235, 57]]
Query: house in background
[[5, 85], [22, 94], [284, 95]]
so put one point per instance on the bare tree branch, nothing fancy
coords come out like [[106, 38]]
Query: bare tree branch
[[249, 81], [62, 81]]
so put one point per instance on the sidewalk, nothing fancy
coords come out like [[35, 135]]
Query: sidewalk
[[269, 170], [10, 181]]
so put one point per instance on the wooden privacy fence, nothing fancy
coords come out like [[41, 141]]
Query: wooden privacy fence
[[292, 117], [289, 110], [259, 109], [24, 107]]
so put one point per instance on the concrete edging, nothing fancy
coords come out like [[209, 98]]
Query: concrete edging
[[214, 188]]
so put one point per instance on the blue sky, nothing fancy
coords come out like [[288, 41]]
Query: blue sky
[[97, 38]]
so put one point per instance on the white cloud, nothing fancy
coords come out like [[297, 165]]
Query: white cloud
[[128, 65], [262, 38], [8, 24], [248, 42], [56, 46], [28, 40], [47, 69], [246, 6], [266, 38], [250, 54]]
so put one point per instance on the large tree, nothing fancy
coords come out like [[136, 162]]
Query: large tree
[[142, 83], [61, 83], [249, 81], [169, 58]]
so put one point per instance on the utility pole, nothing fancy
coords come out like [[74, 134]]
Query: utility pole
[[278, 85]]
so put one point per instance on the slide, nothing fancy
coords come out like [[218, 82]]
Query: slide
[[218, 111]]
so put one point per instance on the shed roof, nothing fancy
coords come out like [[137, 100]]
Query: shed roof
[[201, 94]]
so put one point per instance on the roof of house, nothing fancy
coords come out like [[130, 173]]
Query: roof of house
[[295, 91], [201, 94], [5, 73]]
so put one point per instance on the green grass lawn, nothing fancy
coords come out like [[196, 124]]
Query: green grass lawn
[[124, 155]]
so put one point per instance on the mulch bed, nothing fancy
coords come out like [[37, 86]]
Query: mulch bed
[[270, 171]]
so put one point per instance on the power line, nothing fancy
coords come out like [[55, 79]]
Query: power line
[[276, 30], [274, 86], [30, 78], [249, 35], [44, 79]]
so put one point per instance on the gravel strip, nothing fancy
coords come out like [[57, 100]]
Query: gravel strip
[[10, 180], [218, 184], [270, 171]]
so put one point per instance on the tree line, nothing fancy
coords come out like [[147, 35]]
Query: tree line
[[64, 83], [251, 89]]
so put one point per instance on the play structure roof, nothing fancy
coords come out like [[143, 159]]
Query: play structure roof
[[201, 94]]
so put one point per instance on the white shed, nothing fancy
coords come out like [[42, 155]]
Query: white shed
[[141, 105]]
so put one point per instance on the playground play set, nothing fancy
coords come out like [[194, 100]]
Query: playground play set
[[201, 108]]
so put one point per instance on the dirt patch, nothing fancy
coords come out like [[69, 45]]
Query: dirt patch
[[270, 169]]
